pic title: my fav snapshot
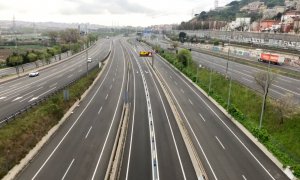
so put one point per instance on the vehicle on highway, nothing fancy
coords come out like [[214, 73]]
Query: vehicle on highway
[[145, 54], [89, 60], [272, 58], [33, 74]]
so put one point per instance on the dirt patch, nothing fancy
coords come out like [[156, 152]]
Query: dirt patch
[[4, 53]]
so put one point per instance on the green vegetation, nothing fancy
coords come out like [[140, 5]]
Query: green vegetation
[[70, 41], [18, 137], [228, 14], [281, 138]]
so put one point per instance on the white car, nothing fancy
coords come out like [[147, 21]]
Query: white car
[[33, 74], [89, 60]]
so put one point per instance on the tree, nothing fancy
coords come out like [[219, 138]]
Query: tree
[[182, 36], [16, 60], [286, 107], [184, 57], [70, 35], [264, 80], [33, 58], [53, 35]]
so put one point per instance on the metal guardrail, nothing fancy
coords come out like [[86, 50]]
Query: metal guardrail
[[35, 103]]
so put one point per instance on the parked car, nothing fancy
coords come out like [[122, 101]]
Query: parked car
[[33, 74]]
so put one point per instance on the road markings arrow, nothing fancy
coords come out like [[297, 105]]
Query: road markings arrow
[[34, 98], [17, 99]]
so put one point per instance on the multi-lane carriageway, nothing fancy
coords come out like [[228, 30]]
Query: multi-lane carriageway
[[154, 148]]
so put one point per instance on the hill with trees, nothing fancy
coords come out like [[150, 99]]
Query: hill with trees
[[229, 13]]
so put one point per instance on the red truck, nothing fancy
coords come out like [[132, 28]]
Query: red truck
[[272, 58]]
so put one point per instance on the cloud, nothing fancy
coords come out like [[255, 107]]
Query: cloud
[[116, 7]]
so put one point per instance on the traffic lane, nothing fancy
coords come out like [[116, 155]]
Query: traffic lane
[[29, 94], [169, 138], [63, 64], [137, 154], [278, 89], [281, 82], [249, 153], [80, 129], [20, 97], [224, 165], [100, 138], [72, 122]]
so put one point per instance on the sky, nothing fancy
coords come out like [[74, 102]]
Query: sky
[[105, 12]]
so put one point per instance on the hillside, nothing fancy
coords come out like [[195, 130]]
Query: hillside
[[231, 11]]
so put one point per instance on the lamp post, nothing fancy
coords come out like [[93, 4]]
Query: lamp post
[[210, 76], [198, 73], [88, 60], [229, 94]]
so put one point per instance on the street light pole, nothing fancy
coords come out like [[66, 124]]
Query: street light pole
[[209, 87], [198, 73], [229, 94], [264, 98], [87, 63]]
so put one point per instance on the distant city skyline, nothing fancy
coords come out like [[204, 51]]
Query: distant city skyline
[[108, 13]]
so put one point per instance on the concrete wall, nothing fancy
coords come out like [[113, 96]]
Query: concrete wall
[[270, 39]]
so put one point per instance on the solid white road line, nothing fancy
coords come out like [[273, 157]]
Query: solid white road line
[[67, 170], [100, 110], [87, 134], [201, 117], [171, 129], [220, 142], [2, 97]]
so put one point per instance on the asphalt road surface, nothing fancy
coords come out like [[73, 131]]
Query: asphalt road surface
[[227, 153], [244, 74], [19, 93], [82, 147]]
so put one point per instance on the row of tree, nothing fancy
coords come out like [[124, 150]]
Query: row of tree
[[62, 41]]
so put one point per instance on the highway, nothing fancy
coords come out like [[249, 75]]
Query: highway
[[30, 66], [245, 74], [82, 146], [19, 93], [154, 147], [227, 153]]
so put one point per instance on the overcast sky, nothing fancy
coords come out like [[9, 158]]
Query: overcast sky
[[105, 12]]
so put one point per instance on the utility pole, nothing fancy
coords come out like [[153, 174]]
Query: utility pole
[[87, 63], [229, 94], [264, 97], [209, 87]]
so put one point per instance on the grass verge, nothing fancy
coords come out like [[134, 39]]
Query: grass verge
[[280, 139], [19, 136]]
